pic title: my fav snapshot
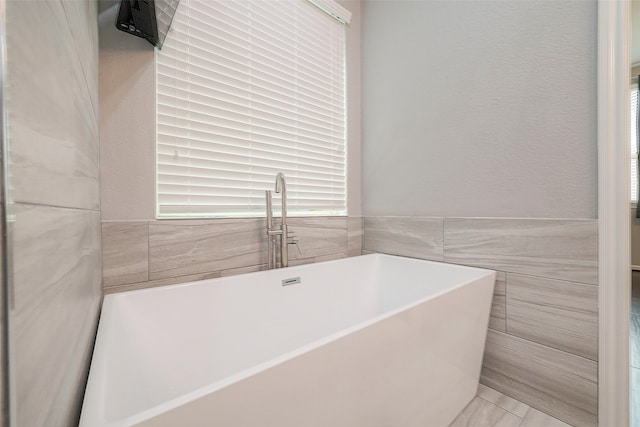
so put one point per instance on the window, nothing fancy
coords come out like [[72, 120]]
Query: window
[[634, 141], [246, 89]]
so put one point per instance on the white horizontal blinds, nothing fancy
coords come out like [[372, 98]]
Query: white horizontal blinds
[[246, 89], [633, 140]]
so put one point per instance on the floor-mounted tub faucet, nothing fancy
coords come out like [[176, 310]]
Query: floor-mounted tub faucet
[[286, 238]]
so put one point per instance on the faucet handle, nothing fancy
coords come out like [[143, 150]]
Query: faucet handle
[[292, 239]]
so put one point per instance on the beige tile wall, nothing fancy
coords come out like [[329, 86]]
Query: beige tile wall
[[52, 128], [543, 337], [542, 346], [142, 254], [409, 236]]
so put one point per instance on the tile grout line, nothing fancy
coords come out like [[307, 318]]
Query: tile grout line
[[529, 407], [548, 347], [521, 274], [44, 205], [148, 252], [505, 409], [506, 299], [442, 236]]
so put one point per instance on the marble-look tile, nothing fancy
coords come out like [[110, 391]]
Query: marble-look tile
[[535, 418], [243, 270], [3, 303], [497, 319], [557, 249], [331, 257], [556, 313], [318, 236], [556, 382], [52, 127], [185, 250], [162, 282], [635, 397], [505, 402], [301, 261], [415, 237], [635, 323], [125, 252], [634, 340], [57, 293], [354, 235], [635, 292], [86, 41], [481, 413], [180, 248], [635, 283]]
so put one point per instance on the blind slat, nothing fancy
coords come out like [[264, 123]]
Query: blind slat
[[266, 137], [199, 31], [255, 156], [290, 123], [196, 82], [247, 89]]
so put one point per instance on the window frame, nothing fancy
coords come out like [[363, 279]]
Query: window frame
[[344, 212], [633, 129]]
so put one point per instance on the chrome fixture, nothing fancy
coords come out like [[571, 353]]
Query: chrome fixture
[[286, 237]]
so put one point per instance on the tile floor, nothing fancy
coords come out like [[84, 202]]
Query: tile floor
[[493, 409]]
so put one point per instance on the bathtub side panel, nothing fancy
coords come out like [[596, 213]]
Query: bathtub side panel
[[419, 367]]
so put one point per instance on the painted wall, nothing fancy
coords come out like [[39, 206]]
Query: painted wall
[[479, 108], [127, 122], [52, 110], [479, 123]]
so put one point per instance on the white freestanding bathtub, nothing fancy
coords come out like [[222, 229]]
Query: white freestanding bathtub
[[370, 341]]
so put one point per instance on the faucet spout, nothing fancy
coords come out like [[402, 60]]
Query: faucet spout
[[281, 187]]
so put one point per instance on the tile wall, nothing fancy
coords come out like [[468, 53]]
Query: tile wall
[[142, 254], [542, 343], [51, 101]]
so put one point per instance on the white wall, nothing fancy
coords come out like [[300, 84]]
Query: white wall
[[127, 120], [479, 108]]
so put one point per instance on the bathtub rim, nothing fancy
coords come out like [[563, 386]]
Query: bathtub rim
[[96, 414]]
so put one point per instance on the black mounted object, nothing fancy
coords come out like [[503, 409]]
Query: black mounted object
[[149, 19]]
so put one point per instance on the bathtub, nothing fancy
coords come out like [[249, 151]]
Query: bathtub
[[369, 341]]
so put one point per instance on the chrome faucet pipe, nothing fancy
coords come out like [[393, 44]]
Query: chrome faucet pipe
[[269, 211], [283, 230], [270, 249], [281, 187]]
